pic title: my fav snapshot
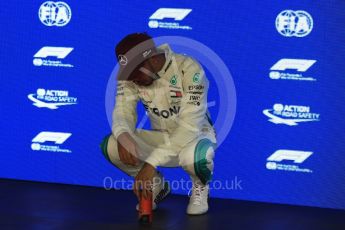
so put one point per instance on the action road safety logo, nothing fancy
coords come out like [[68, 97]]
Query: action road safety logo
[[290, 115]]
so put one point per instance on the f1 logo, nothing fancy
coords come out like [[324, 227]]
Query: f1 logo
[[51, 51], [176, 14], [56, 137], [300, 65], [294, 155]]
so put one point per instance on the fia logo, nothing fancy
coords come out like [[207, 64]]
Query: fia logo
[[55, 13]]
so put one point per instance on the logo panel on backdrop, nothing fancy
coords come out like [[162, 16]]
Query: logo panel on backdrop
[[274, 162], [55, 54], [291, 69], [290, 23], [51, 98], [54, 139], [55, 13], [169, 18]]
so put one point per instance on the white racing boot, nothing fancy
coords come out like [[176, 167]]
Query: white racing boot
[[160, 189], [198, 202]]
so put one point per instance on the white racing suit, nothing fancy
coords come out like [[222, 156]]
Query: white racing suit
[[176, 103]]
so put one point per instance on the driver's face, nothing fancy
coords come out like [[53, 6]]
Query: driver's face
[[141, 78]]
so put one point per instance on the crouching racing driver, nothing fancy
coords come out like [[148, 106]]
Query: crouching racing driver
[[173, 89]]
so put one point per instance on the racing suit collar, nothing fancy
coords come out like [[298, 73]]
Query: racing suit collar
[[168, 54]]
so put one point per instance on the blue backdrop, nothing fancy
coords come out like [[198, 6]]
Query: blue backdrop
[[286, 144]]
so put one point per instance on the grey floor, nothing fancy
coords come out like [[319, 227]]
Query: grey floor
[[33, 205]]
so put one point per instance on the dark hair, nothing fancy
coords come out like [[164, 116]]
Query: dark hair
[[130, 41]]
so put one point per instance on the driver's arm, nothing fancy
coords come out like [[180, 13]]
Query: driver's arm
[[124, 114]]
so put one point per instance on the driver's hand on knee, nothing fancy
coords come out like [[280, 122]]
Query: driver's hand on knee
[[128, 149]]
